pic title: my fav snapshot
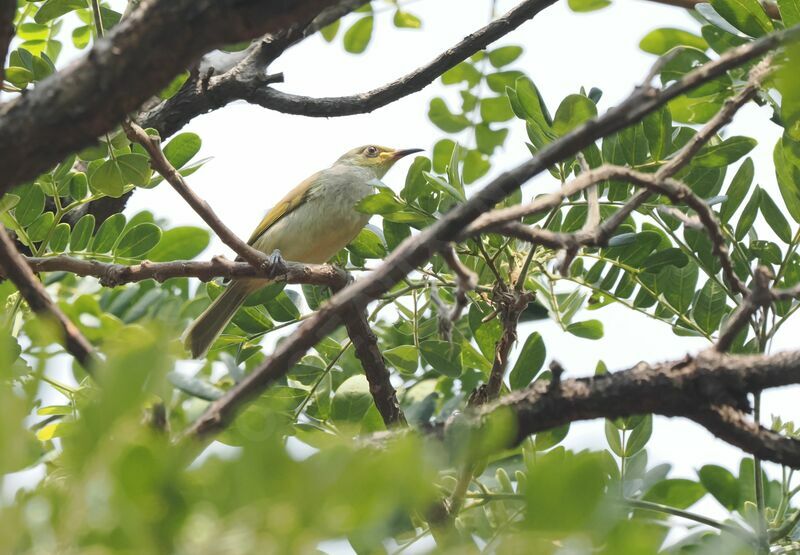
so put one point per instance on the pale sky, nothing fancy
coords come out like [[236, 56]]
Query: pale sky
[[258, 155]]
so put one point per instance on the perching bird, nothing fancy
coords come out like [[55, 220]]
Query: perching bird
[[313, 222]]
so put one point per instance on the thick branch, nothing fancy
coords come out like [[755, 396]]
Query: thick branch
[[710, 389], [417, 249], [246, 82], [112, 275], [70, 109], [13, 266]]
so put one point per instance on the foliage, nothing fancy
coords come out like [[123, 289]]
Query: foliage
[[114, 482]]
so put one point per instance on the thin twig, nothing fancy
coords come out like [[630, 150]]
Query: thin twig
[[152, 144]]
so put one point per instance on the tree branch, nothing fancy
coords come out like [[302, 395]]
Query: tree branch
[[759, 296], [111, 275], [380, 385], [710, 389], [14, 267], [417, 249], [69, 110], [246, 80], [509, 303]]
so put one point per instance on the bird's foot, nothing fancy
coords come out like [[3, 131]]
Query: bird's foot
[[277, 264]]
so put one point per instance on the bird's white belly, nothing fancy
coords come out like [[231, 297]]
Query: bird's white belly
[[315, 231]]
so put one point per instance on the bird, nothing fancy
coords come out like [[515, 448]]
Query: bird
[[313, 222]]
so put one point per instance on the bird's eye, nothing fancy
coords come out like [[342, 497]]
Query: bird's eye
[[371, 151]]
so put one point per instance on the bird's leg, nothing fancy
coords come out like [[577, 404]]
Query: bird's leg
[[275, 264]]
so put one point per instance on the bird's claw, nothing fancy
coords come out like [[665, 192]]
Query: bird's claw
[[276, 262]]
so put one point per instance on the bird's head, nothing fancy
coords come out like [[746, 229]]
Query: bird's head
[[377, 158]]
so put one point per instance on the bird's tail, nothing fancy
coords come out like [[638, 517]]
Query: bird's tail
[[205, 329]]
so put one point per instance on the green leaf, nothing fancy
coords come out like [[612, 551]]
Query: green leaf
[[737, 190], [358, 36], [720, 483], [352, 400], [487, 139], [504, 55], [746, 15], [676, 492], [138, 241], [660, 41], [532, 103], [30, 205], [463, 71], [282, 307], [639, 436], [476, 165], [574, 110], [37, 231], [78, 186], [709, 308], [82, 233], [108, 233], [180, 243], [368, 244], [720, 40], [613, 438], [545, 440], [415, 185], [108, 179], [667, 257], [724, 153], [788, 175], [8, 201], [329, 31], [194, 386], [442, 153], [404, 358], [678, 285], [406, 20], [52, 9], [775, 218], [589, 329], [383, 202], [60, 237], [441, 116], [587, 5], [502, 80], [18, 76], [748, 216], [443, 357], [658, 132], [135, 168], [182, 148], [790, 12], [530, 361], [496, 109]]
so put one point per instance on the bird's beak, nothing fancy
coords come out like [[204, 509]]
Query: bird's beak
[[397, 154]]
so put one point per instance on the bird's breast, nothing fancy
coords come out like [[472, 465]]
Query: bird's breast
[[325, 223]]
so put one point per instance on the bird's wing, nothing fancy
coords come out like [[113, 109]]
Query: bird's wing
[[287, 204]]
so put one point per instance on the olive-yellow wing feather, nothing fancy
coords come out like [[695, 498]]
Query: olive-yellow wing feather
[[286, 205]]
